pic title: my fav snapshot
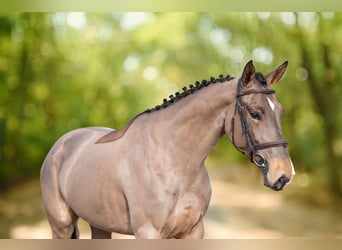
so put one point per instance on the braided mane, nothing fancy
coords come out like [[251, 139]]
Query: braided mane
[[188, 91], [117, 134]]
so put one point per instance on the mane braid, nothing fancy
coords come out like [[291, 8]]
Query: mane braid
[[117, 134], [188, 91]]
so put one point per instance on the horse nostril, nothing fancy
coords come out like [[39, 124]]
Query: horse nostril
[[281, 182]]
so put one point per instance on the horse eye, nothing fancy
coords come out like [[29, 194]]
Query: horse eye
[[255, 116]]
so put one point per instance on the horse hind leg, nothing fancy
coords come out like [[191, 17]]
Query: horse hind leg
[[62, 219], [75, 234], [63, 223], [99, 234]]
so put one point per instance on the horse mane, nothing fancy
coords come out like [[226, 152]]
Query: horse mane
[[117, 134], [188, 91]]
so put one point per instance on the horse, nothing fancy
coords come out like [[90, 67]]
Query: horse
[[149, 179]]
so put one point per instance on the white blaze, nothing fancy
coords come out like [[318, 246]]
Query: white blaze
[[270, 103]]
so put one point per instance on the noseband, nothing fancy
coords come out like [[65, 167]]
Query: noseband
[[255, 157]]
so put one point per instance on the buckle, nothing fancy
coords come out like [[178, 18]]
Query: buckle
[[259, 160]]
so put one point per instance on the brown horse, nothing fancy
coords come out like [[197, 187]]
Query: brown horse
[[149, 178]]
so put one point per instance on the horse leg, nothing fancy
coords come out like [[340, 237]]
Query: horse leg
[[62, 219], [147, 232], [99, 234], [197, 232], [63, 222], [76, 233]]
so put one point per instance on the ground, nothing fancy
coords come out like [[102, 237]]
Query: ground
[[241, 207]]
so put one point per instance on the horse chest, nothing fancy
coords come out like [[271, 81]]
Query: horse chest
[[189, 210], [171, 210]]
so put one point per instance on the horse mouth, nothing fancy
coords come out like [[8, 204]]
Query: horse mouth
[[279, 184], [275, 188]]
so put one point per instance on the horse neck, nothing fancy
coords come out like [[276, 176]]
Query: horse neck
[[193, 125]]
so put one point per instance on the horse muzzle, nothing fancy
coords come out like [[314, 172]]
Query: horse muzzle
[[279, 184], [277, 173]]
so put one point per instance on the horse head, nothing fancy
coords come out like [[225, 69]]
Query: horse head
[[255, 126]]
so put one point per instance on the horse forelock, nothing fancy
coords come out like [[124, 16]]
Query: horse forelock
[[260, 78]]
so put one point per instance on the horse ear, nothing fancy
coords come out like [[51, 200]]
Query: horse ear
[[275, 75], [248, 73]]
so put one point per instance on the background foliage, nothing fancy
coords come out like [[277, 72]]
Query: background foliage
[[60, 71]]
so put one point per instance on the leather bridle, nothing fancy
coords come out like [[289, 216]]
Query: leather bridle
[[255, 157]]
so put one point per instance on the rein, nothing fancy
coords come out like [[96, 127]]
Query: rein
[[255, 157]]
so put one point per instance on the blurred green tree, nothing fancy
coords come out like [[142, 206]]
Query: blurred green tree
[[60, 71]]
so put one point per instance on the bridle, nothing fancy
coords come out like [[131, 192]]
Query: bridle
[[255, 157]]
